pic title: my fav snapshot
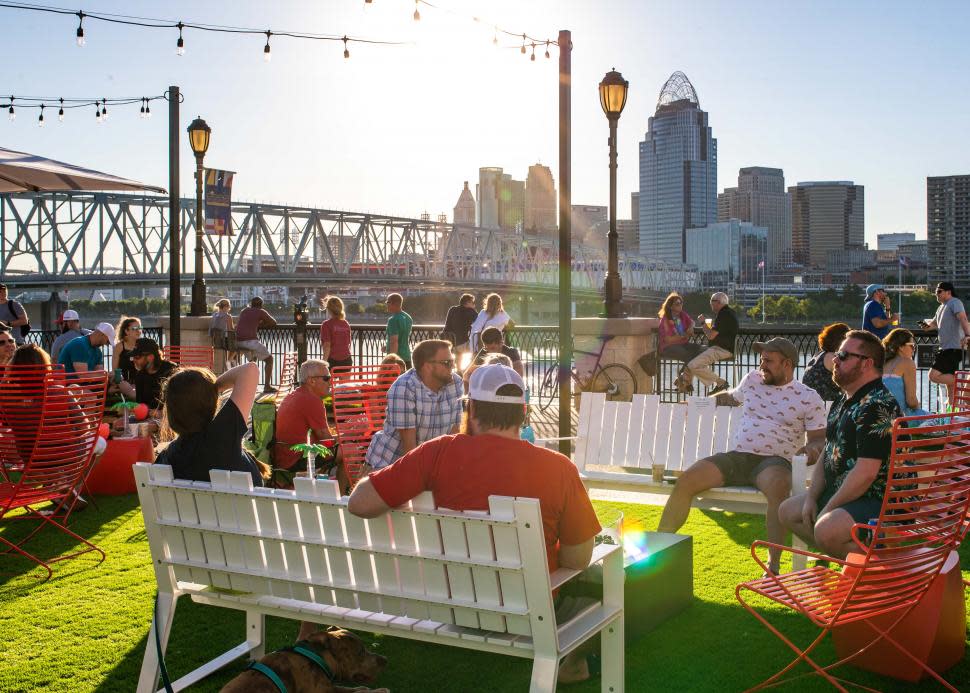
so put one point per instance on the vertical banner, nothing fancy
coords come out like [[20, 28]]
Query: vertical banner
[[218, 202]]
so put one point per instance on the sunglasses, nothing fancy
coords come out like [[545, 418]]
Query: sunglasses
[[7, 341], [324, 378], [445, 362], [844, 355]]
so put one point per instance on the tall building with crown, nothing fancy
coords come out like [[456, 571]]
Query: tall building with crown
[[465, 208], [678, 172]]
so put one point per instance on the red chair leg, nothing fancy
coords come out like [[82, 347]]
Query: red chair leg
[[29, 557]]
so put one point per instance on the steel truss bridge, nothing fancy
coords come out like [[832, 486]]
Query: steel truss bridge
[[76, 240]]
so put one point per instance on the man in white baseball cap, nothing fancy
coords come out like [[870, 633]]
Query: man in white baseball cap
[[83, 354], [70, 323]]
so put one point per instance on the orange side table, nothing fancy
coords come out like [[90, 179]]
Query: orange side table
[[112, 475]]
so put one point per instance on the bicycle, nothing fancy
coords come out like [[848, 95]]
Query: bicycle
[[616, 380]]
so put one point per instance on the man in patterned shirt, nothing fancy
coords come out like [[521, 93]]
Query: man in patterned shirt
[[848, 486], [424, 403], [778, 413]]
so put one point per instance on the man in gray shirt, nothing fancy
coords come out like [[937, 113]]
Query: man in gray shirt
[[13, 314], [70, 323], [951, 321]]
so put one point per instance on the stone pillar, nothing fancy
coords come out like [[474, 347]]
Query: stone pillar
[[631, 339]]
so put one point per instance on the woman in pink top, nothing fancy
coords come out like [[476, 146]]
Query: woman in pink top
[[676, 328], [335, 334]]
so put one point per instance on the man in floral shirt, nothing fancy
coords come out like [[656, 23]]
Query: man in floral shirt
[[848, 486]]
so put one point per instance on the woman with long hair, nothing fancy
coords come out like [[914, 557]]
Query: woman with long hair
[[127, 331], [335, 334], [492, 315], [675, 330], [205, 438], [818, 373], [899, 370]]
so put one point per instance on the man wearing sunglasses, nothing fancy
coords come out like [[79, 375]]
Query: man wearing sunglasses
[[951, 321], [7, 344], [303, 412], [849, 482], [422, 404]]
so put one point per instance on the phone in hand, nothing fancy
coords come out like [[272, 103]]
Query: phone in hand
[[118, 376]]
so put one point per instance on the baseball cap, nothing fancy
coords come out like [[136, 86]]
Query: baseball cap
[[486, 381], [69, 315], [779, 345], [873, 288], [108, 330], [144, 346], [946, 286]]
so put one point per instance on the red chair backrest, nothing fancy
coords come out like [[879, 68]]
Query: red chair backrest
[[71, 410], [359, 407], [194, 355], [287, 375], [961, 394], [922, 517], [21, 398]]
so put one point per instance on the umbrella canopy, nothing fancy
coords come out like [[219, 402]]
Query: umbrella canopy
[[20, 172]]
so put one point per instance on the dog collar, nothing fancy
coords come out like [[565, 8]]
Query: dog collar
[[302, 649], [270, 674]]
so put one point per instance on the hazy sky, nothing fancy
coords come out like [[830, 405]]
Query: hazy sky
[[875, 92]]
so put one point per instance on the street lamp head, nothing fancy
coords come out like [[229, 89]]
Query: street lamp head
[[199, 136], [613, 91]]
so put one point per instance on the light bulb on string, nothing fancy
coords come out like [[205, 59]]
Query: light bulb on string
[[267, 56], [141, 111], [533, 58], [104, 109], [495, 37], [11, 114], [148, 109], [523, 45], [417, 15], [40, 119], [97, 112], [346, 50], [180, 44], [60, 112], [80, 29], [547, 50]]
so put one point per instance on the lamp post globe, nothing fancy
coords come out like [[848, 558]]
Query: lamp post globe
[[199, 134], [613, 91]]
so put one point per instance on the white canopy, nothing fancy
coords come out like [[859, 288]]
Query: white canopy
[[20, 172]]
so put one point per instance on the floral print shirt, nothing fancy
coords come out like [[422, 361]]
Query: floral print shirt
[[860, 426]]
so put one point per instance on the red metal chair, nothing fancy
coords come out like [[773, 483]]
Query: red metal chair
[[359, 408], [961, 391], [21, 397], [195, 355], [287, 376], [71, 410], [920, 523]]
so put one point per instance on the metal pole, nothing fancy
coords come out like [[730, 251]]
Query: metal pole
[[198, 286], [899, 289], [764, 268], [565, 240], [174, 219], [613, 285]]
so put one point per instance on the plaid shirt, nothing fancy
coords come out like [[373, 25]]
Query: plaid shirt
[[411, 404]]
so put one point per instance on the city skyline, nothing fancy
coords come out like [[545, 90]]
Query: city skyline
[[836, 85]]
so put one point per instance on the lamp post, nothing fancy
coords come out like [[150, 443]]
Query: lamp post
[[199, 139], [613, 90]]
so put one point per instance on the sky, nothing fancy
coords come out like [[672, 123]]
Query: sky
[[874, 92]]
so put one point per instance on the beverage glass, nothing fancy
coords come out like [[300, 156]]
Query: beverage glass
[[709, 322], [658, 473]]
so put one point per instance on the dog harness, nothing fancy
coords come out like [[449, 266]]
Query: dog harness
[[301, 648]]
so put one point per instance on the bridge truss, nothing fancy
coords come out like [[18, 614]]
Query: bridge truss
[[76, 239]]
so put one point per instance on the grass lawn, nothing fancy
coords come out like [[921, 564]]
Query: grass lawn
[[86, 628]]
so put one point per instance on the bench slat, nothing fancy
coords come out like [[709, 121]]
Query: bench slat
[[586, 453], [507, 548], [409, 567], [429, 543], [481, 547], [675, 446]]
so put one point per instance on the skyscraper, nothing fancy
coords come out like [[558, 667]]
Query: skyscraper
[[826, 216], [465, 208], [761, 199], [540, 200], [678, 172], [511, 203], [487, 192], [948, 230]]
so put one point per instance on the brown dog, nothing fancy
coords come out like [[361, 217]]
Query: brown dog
[[343, 652]]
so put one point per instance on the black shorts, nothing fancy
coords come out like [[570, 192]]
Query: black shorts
[[742, 468], [337, 363], [948, 361], [861, 509]]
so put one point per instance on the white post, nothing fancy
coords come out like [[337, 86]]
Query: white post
[[899, 288], [763, 311]]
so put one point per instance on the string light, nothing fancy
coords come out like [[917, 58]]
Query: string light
[[11, 114], [80, 29], [104, 109], [495, 37], [40, 118], [547, 49], [180, 44], [417, 15], [533, 58], [60, 112], [100, 106], [267, 56], [346, 50], [97, 113], [523, 44]]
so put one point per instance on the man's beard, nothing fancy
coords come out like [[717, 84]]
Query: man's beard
[[848, 378]]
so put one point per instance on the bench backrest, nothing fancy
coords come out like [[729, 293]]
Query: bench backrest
[[645, 430], [473, 569]]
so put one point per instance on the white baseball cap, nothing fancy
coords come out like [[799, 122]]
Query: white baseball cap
[[108, 330], [70, 315], [486, 381]]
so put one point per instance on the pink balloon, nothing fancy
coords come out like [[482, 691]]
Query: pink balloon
[[140, 412], [103, 430]]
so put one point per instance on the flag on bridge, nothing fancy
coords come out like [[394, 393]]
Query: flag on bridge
[[218, 202], [903, 261], [761, 265]]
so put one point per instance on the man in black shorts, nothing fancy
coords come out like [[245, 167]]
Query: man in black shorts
[[954, 333], [848, 487]]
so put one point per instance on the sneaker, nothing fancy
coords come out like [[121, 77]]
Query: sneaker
[[718, 389]]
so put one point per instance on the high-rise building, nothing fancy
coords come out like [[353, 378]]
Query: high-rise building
[[465, 208], [761, 199], [891, 241], [487, 193], [678, 172], [826, 216], [540, 201], [511, 203], [727, 253], [948, 230]]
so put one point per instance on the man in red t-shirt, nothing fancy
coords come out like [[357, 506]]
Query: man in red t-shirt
[[247, 325], [303, 412], [463, 470]]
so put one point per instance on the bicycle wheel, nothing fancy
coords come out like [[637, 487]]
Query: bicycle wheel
[[549, 389], [617, 381]]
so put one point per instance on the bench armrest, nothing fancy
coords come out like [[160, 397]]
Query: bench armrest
[[563, 575], [549, 440]]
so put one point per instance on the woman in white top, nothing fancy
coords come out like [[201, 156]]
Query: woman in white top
[[493, 315]]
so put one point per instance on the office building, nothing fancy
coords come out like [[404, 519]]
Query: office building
[[540, 201], [948, 230], [891, 241], [678, 172], [826, 216], [487, 192], [511, 203], [761, 199], [727, 253], [465, 208]]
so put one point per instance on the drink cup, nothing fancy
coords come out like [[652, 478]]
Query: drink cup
[[658, 473], [709, 322]]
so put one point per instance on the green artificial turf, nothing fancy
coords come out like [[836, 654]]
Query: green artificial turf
[[86, 628]]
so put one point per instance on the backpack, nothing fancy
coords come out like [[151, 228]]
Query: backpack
[[24, 329], [264, 431]]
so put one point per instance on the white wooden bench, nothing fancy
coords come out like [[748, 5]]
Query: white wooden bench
[[475, 580]]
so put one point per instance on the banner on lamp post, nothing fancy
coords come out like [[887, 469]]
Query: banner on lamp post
[[218, 202]]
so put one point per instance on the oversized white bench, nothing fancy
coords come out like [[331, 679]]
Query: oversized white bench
[[475, 580]]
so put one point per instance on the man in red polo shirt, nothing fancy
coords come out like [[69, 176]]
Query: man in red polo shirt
[[301, 412]]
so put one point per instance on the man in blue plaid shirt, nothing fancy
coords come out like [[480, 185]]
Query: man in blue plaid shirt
[[424, 403]]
